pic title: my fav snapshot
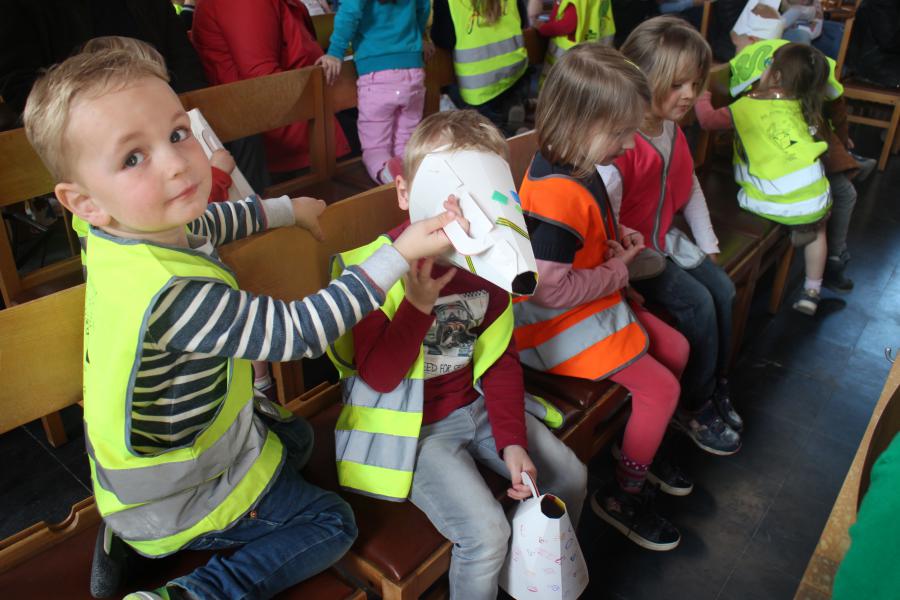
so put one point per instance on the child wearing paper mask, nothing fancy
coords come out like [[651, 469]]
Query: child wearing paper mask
[[442, 344], [578, 323]]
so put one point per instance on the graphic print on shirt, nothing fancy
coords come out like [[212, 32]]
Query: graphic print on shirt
[[450, 342]]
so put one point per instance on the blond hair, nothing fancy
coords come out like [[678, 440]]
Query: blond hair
[[590, 91], [455, 129], [90, 74], [666, 48], [137, 47]]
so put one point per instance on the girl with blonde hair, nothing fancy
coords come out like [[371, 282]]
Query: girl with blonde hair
[[579, 323]]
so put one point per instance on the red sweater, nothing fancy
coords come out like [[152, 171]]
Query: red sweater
[[387, 348], [565, 25], [239, 39], [221, 181]]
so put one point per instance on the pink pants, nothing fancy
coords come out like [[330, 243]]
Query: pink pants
[[390, 106], [653, 383]]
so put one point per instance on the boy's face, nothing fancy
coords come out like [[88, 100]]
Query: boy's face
[[138, 171]]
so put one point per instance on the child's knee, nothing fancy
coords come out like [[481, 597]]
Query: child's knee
[[489, 538]]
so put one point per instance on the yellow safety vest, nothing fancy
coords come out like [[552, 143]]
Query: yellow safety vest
[[748, 65], [776, 162], [587, 29], [158, 503], [377, 434], [487, 59]]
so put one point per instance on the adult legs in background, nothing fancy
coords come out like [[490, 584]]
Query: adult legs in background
[[843, 195]]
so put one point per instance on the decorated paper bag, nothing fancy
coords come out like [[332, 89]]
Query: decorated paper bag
[[239, 189], [544, 560]]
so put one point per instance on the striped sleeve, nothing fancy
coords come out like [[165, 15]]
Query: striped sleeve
[[211, 318], [224, 222]]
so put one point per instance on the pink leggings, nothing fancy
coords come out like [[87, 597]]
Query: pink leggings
[[653, 383], [390, 105]]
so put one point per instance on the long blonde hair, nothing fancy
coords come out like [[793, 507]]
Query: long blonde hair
[[592, 86], [665, 48]]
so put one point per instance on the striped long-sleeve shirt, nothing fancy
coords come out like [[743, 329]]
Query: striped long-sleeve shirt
[[195, 326]]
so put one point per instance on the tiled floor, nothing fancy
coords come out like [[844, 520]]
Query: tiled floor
[[805, 387]]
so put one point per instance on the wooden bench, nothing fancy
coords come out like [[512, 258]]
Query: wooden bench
[[54, 560]]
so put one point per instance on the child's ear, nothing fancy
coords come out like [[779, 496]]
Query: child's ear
[[402, 192], [79, 203]]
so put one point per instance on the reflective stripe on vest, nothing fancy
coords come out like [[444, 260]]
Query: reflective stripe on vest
[[748, 66], [158, 503], [376, 436], [776, 162], [487, 59], [597, 338]]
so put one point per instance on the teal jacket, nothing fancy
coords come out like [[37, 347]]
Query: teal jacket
[[383, 35]]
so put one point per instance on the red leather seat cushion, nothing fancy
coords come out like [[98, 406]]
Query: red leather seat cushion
[[581, 392], [64, 571]]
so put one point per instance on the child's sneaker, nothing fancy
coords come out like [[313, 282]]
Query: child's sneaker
[[722, 400], [634, 517], [808, 302], [160, 594], [109, 563], [664, 474], [707, 430], [866, 166]]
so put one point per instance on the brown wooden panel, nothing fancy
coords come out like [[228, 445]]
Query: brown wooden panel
[[324, 26], [242, 108], [40, 357], [22, 175], [302, 266]]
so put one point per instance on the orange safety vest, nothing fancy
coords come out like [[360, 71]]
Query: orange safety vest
[[592, 340]]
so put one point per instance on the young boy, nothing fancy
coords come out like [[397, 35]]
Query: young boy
[[454, 331], [182, 455]]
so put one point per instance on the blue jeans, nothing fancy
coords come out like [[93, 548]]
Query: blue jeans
[[295, 531], [700, 300], [448, 488]]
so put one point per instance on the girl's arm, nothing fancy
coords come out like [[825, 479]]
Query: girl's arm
[[346, 22], [560, 285], [696, 212], [712, 119]]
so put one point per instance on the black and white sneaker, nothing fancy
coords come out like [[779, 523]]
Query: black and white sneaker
[[808, 302], [633, 516], [664, 474], [707, 430]]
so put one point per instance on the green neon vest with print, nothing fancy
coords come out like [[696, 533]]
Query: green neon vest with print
[[776, 162], [377, 434], [591, 26], [748, 66], [158, 503], [487, 59]]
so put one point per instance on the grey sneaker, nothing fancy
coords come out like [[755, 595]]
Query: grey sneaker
[[722, 400], [808, 302], [707, 430], [866, 166]]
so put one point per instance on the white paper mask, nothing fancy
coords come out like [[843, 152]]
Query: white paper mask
[[239, 189], [497, 247]]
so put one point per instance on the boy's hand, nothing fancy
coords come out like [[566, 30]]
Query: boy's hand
[[427, 238], [222, 160], [421, 290], [517, 460], [331, 66], [306, 215]]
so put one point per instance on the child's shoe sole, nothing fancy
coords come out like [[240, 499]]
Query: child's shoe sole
[[688, 432]]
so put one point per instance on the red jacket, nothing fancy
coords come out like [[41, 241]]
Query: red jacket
[[242, 39], [642, 180]]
